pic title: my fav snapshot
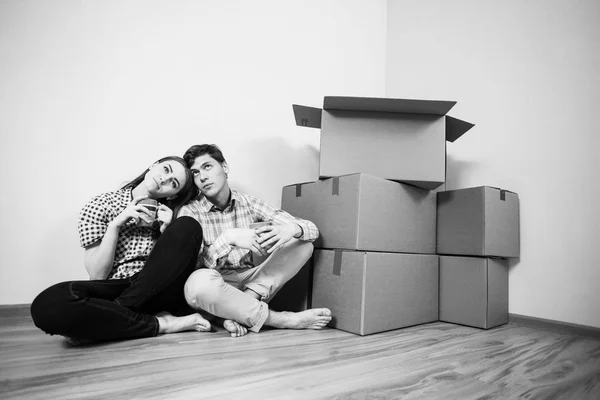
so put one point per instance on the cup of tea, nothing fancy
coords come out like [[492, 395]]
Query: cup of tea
[[256, 225], [151, 205]]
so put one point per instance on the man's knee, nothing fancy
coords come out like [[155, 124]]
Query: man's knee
[[303, 251], [203, 287], [308, 248]]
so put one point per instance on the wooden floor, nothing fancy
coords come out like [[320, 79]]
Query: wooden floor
[[432, 361]]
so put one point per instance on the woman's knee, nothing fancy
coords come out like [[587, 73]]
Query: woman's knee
[[184, 229], [186, 224], [203, 286], [49, 305]]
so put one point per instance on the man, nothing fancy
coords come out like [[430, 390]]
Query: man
[[231, 287]]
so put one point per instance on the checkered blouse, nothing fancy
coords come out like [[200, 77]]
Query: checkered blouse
[[134, 242], [242, 210]]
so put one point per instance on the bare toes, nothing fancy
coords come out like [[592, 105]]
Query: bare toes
[[203, 327], [234, 328]]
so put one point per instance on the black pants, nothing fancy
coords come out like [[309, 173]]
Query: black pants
[[124, 308]]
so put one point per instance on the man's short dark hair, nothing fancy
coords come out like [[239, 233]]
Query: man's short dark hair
[[201, 149]]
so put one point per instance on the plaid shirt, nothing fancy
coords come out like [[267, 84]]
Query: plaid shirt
[[134, 243], [241, 211]]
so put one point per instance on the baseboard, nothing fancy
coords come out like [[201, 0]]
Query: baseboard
[[554, 326], [14, 310], [22, 310]]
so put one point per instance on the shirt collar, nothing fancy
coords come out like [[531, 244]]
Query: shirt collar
[[126, 196], [207, 206]]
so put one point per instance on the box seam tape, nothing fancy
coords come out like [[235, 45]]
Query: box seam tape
[[363, 295], [487, 293], [335, 186], [337, 262]]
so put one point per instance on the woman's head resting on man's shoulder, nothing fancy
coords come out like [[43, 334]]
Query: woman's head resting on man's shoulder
[[168, 180]]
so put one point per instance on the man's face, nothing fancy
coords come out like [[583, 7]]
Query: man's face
[[210, 176]]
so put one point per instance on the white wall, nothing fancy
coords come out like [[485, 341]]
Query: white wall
[[526, 73], [94, 92]]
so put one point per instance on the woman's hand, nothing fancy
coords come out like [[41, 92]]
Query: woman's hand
[[133, 211], [164, 216]]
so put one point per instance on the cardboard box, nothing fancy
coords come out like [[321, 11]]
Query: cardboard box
[[295, 295], [474, 291], [375, 292], [364, 212], [398, 139], [479, 221]]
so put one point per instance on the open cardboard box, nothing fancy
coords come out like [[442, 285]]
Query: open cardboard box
[[397, 139]]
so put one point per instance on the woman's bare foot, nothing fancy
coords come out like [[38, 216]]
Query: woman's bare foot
[[168, 323], [234, 328], [315, 318], [78, 342]]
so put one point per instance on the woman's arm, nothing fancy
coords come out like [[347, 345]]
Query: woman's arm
[[100, 255]]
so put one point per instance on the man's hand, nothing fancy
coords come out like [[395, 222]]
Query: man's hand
[[274, 237], [245, 238]]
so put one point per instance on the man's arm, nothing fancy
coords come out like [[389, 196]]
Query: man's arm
[[302, 229], [215, 254], [284, 228]]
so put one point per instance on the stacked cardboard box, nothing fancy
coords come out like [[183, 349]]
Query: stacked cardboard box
[[477, 232], [375, 264], [362, 267]]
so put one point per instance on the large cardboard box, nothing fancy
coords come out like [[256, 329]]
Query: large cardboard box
[[375, 292], [397, 139], [364, 212], [479, 221], [474, 291]]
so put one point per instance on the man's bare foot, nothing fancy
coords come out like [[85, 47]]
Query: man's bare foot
[[168, 323], [234, 328], [315, 318]]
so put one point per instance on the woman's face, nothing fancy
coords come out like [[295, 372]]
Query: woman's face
[[164, 179]]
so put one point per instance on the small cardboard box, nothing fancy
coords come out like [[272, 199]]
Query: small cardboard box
[[398, 139], [364, 212], [479, 221], [295, 295], [474, 291], [375, 292]]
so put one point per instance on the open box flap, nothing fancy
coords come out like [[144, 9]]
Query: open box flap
[[311, 116], [408, 106], [307, 116], [455, 128]]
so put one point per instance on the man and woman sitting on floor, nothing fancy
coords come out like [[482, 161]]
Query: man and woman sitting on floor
[[188, 267]]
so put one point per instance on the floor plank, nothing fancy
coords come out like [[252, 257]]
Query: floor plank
[[431, 361]]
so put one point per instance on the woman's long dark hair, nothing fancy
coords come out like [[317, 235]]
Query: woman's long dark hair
[[187, 192]]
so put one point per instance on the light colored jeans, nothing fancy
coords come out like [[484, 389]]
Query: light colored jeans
[[221, 292]]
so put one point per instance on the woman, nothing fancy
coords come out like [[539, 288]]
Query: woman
[[137, 270]]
